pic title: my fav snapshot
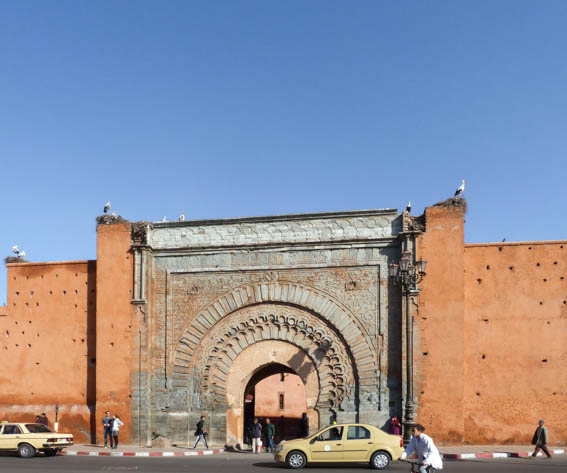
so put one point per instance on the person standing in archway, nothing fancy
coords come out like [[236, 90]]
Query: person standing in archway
[[304, 425], [256, 436], [270, 434]]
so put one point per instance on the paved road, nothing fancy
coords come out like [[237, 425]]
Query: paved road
[[248, 463]]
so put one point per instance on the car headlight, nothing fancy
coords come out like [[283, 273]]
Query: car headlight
[[279, 448]]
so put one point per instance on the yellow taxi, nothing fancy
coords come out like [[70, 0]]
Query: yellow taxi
[[28, 438], [353, 443]]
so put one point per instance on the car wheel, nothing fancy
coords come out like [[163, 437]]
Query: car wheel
[[50, 452], [295, 460], [380, 460], [25, 450]]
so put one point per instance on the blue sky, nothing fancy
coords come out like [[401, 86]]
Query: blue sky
[[238, 108]]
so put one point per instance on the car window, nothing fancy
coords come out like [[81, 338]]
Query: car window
[[356, 432], [37, 428], [11, 430], [336, 433]]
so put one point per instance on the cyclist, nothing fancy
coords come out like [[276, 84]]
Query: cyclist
[[425, 449]]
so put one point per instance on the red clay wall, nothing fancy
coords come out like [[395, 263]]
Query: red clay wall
[[48, 345], [516, 333], [267, 394], [114, 328], [439, 331]]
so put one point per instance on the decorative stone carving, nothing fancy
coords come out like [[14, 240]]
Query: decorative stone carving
[[213, 358]]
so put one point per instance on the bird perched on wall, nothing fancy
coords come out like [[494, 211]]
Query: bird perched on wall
[[182, 217], [408, 207], [107, 207], [15, 250], [461, 189]]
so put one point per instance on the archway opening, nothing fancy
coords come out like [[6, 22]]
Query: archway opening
[[253, 365], [275, 392]]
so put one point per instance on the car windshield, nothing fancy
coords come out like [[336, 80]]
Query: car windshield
[[37, 428]]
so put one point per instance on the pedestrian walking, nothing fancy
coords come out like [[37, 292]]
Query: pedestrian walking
[[43, 419], [201, 433], [540, 440], [395, 426], [116, 424], [426, 451], [270, 434], [256, 436], [107, 429]]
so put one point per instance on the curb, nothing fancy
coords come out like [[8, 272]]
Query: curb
[[470, 456], [141, 454]]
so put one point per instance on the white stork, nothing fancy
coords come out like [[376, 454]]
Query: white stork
[[461, 189]]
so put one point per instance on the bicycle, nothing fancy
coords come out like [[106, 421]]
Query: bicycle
[[414, 466]]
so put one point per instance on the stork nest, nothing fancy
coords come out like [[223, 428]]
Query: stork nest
[[14, 259], [108, 219], [454, 202]]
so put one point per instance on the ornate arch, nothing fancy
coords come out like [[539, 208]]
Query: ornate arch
[[323, 347], [323, 306]]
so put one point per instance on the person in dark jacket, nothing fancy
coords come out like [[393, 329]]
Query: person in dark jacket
[[44, 419], [256, 435], [201, 433], [270, 434], [304, 425], [107, 428], [540, 440]]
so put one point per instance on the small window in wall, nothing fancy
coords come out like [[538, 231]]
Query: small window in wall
[[282, 377], [282, 402]]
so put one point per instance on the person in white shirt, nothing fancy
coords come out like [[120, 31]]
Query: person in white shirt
[[425, 449], [116, 424]]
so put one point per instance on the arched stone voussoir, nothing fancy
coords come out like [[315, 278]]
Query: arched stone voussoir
[[328, 309], [322, 348]]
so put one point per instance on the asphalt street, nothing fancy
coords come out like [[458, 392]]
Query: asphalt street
[[249, 463]]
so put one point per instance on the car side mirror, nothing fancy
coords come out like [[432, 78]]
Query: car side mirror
[[312, 441]]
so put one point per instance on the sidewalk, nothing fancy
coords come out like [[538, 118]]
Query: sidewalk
[[466, 452], [461, 452], [133, 451]]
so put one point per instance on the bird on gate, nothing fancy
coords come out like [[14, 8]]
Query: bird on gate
[[461, 189], [408, 207], [182, 217], [107, 207]]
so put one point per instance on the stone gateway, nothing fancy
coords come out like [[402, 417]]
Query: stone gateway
[[229, 298]]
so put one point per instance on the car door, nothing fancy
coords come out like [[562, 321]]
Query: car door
[[328, 445], [10, 437], [357, 443]]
